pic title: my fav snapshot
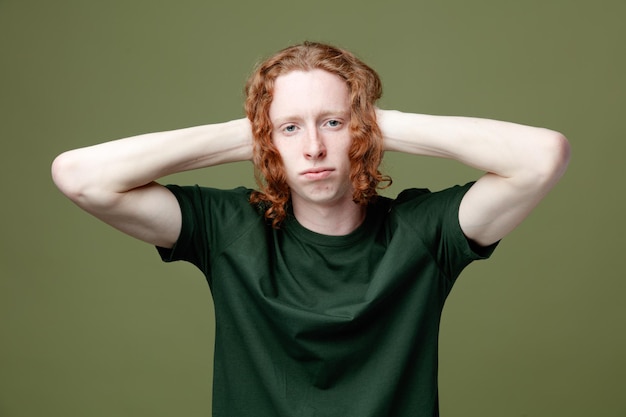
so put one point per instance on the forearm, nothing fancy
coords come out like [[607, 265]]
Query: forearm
[[125, 164], [502, 148]]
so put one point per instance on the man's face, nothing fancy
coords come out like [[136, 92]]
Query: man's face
[[310, 115]]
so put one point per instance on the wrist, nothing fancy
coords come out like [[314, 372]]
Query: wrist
[[239, 135], [390, 124]]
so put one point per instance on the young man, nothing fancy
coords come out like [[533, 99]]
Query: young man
[[327, 297]]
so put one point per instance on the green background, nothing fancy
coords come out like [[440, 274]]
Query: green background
[[93, 324]]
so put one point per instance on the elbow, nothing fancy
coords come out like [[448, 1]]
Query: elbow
[[66, 176], [558, 155], [82, 180], [75, 176], [551, 159]]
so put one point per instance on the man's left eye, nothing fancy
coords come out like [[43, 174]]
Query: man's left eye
[[334, 123]]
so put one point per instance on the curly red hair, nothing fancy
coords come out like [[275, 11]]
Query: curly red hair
[[366, 150]]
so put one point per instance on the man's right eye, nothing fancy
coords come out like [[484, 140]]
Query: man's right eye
[[290, 128]]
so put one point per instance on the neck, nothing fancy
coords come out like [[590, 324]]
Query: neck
[[333, 220]]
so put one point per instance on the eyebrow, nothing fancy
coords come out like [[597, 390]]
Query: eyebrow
[[322, 115]]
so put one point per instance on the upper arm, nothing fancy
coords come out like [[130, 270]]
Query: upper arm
[[495, 205], [150, 213]]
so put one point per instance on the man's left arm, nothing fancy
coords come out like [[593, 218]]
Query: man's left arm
[[522, 164]]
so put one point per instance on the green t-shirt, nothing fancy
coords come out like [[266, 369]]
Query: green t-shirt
[[314, 325]]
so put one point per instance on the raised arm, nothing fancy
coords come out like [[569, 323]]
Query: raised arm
[[115, 181], [522, 164]]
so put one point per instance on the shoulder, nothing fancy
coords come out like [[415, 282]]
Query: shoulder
[[207, 196], [428, 214], [213, 205], [425, 199], [212, 219], [209, 192], [434, 216]]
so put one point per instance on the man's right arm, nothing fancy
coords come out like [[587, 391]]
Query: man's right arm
[[115, 181]]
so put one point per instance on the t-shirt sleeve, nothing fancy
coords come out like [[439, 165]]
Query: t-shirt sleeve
[[434, 217], [192, 243], [211, 220]]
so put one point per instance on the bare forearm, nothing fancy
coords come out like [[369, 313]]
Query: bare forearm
[[125, 164], [503, 148]]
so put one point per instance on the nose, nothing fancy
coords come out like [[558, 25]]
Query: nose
[[314, 147]]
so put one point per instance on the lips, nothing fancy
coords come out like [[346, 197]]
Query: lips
[[317, 173]]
